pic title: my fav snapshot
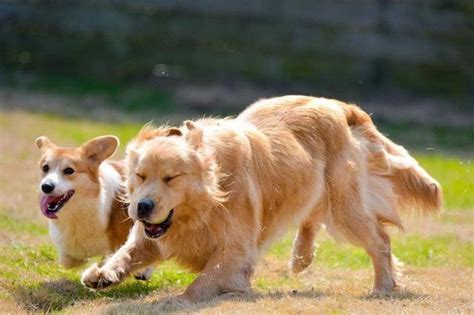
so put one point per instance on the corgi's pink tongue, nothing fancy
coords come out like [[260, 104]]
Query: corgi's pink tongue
[[44, 202]]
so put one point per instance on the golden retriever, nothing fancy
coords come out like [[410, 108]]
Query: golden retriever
[[214, 194]]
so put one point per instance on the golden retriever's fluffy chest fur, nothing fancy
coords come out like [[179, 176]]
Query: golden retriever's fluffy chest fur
[[199, 247]]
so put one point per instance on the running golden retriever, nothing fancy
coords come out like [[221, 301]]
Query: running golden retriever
[[214, 194]]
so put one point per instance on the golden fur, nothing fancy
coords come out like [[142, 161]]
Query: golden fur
[[237, 184]]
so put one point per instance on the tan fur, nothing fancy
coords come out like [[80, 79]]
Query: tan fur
[[240, 183], [89, 224]]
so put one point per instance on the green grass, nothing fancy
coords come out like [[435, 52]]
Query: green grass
[[413, 250], [8, 224], [31, 276], [456, 175]]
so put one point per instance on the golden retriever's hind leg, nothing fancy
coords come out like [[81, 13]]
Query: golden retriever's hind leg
[[364, 230], [303, 245], [381, 255], [352, 217]]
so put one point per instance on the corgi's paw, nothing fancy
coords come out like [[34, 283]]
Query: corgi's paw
[[100, 278]]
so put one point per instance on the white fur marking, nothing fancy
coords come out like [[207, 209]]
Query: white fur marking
[[110, 182]]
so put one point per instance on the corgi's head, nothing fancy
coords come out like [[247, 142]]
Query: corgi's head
[[69, 173], [169, 175]]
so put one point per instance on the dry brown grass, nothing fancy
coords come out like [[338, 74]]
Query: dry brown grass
[[431, 291]]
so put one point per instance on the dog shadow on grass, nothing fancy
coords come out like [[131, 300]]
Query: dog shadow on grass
[[55, 295], [403, 294], [171, 304]]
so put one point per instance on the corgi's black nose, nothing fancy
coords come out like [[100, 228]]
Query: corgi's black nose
[[144, 208], [47, 188]]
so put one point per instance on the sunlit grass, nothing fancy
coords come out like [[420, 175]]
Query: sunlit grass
[[31, 275], [413, 250], [456, 175], [11, 225]]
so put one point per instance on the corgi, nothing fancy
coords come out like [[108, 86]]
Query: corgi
[[81, 195], [215, 194]]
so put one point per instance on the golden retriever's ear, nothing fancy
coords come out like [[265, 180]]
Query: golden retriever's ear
[[194, 134], [43, 143], [100, 148], [174, 132]]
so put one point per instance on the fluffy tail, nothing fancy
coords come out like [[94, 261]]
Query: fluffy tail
[[414, 187]]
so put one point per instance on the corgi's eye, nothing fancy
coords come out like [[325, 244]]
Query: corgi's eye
[[45, 168], [167, 179], [68, 171], [142, 177]]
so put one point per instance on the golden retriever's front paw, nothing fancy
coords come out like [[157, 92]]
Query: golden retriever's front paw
[[100, 278]]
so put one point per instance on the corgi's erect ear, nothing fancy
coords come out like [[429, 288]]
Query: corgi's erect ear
[[43, 143], [100, 148], [194, 134]]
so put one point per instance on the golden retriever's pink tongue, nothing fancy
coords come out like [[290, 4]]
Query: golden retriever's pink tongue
[[44, 202]]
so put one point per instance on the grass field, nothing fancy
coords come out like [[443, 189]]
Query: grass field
[[438, 252]]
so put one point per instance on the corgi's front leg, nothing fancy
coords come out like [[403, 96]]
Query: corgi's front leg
[[135, 255]]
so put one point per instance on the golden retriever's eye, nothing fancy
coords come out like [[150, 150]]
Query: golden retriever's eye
[[45, 168], [68, 171], [142, 177], [167, 179]]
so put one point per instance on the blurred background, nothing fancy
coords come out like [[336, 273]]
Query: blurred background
[[409, 62]]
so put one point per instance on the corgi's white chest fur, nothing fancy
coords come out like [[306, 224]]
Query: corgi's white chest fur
[[81, 229]]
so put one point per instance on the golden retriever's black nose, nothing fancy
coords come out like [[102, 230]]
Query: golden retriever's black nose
[[47, 188], [144, 208]]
